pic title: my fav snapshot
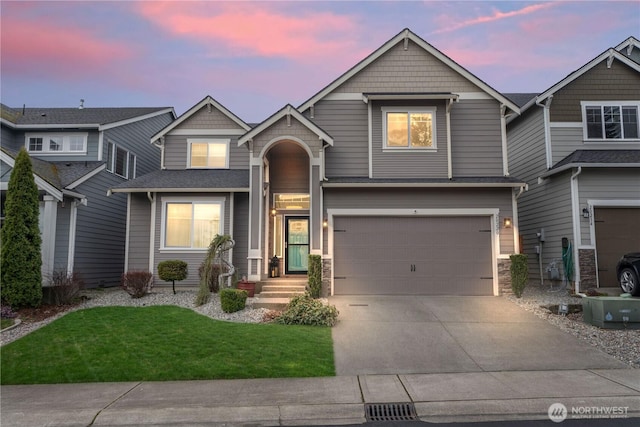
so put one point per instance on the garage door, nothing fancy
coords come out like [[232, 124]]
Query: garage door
[[412, 256], [617, 233]]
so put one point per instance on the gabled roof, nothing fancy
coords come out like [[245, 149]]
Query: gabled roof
[[521, 99], [43, 117], [208, 100], [187, 180], [407, 34], [597, 159], [628, 45], [287, 110]]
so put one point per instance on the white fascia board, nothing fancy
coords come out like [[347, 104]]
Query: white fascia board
[[8, 123], [81, 197], [408, 96], [138, 118], [40, 183], [414, 212], [86, 177], [569, 166], [59, 126], [630, 42], [206, 132], [329, 184], [179, 190], [207, 100], [588, 66]]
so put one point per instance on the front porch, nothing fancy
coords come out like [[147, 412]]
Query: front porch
[[275, 293]]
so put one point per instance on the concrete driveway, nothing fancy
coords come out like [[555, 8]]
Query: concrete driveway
[[426, 334]]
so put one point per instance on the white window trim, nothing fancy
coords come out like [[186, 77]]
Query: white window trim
[[65, 143], [111, 162], [191, 141], [430, 110], [163, 223], [585, 104]]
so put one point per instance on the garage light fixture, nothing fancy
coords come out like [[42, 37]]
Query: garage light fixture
[[325, 223], [273, 212], [585, 213], [507, 223]]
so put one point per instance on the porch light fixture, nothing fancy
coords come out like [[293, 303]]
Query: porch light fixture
[[273, 212], [585, 213], [325, 223], [507, 223]]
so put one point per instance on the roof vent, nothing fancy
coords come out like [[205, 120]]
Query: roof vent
[[81, 104]]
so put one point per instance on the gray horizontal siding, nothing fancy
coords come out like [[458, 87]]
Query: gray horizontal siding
[[447, 198], [566, 140], [5, 172], [92, 145], [526, 146], [241, 232], [63, 218], [280, 130], [208, 118], [139, 232], [476, 138], [347, 123], [10, 139], [606, 184], [177, 150]]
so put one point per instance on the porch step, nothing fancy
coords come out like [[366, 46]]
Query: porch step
[[283, 288], [277, 304], [276, 293]]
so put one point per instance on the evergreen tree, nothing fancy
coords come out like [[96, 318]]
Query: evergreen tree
[[20, 249]]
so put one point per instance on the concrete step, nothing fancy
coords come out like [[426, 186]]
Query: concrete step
[[280, 294], [283, 288], [270, 303]]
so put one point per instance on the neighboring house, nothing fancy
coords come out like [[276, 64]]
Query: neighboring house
[[396, 174], [577, 145], [77, 155]]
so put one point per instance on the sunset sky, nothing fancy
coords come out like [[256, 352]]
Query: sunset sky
[[256, 56]]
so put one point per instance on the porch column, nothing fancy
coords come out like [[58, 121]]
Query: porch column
[[48, 219], [315, 208], [255, 220]]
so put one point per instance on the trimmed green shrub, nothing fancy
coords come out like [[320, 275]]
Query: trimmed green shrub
[[305, 310], [20, 259], [232, 300], [315, 275], [137, 283], [519, 273], [172, 270]]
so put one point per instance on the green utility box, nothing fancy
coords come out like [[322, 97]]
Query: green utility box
[[611, 312]]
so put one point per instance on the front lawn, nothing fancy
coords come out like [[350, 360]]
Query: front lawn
[[163, 343]]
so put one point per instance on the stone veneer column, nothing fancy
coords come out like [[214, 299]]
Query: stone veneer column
[[326, 278], [588, 271], [504, 276]]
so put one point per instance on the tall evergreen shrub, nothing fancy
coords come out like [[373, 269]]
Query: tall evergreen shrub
[[315, 275], [519, 273], [20, 259]]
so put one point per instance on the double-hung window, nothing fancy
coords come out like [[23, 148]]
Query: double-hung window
[[409, 128], [208, 153], [120, 161], [191, 224], [56, 143], [611, 120]]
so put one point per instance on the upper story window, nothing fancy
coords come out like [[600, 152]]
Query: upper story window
[[610, 120], [409, 128], [209, 153], [121, 161], [56, 143]]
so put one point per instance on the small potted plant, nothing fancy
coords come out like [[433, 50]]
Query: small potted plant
[[245, 285]]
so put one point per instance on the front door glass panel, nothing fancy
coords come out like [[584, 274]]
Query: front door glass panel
[[297, 234]]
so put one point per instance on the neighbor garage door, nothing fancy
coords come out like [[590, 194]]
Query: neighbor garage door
[[617, 233], [412, 256]]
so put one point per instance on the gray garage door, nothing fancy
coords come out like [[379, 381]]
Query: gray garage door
[[617, 233], [412, 256]]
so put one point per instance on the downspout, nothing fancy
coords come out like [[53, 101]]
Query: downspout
[[161, 146], [516, 226], [503, 131], [152, 232], [575, 203], [547, 128], [448, 121]]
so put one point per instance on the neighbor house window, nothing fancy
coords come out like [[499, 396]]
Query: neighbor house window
[[611, 121], [209, 154], [191, 224], [409, 128], [57, 143], [121, 161]]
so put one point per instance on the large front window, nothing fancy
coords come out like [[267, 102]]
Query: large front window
[[191, 225], [56, 143], [611, 121], [409, 128], [209, 154]]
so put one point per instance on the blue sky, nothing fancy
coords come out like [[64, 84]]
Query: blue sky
[[256, 56]]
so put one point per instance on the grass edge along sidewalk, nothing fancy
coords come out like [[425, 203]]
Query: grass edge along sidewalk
[[163, 343]]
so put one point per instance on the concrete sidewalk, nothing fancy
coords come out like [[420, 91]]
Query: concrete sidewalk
[[438, 397]]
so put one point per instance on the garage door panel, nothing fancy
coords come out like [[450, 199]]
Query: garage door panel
[[617, 233], [413, 255]]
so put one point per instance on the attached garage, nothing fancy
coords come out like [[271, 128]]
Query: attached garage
[[428, 255], [617, 233]]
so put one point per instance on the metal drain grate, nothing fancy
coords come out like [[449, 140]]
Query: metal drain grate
[[390, 412]]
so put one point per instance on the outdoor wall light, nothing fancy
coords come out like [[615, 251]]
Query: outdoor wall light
[[325, 223], [585, 213], [273, 212], [507, 223]]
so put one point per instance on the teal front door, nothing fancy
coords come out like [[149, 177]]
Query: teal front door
[[297, 245]]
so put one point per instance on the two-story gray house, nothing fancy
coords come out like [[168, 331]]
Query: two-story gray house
[[577, 145], [77, 155], [396, 173]]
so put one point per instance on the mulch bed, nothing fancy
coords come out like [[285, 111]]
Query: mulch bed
[[33, 315]]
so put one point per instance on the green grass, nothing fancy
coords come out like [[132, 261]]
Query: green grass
[[5, 323], [163, 343]]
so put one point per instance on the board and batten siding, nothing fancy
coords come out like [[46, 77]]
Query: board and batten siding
[[565, 140], [139, 232], [476, 138], [411, 70], [441, 198], [607, 184], [193, 258], [618, 83], [347, 123]]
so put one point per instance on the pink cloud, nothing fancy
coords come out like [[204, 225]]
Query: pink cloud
[[254, 29]]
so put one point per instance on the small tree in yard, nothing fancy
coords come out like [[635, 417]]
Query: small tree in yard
[[20, 258], [172, 270], [519, 273]]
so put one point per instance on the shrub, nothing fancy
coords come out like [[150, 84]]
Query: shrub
[[305, 310], [519, 273], [211, 279], [20, 259], [172, 270], [315, 275], [232, 300], [137, 283], [65, 287]]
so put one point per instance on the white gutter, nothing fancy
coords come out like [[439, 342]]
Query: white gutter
[[547, 128], [449, 157], [503, 131]]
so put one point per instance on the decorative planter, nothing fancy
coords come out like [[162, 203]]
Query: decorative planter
[[250, 287]]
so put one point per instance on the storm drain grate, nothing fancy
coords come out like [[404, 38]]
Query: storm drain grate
[[390, 412]]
